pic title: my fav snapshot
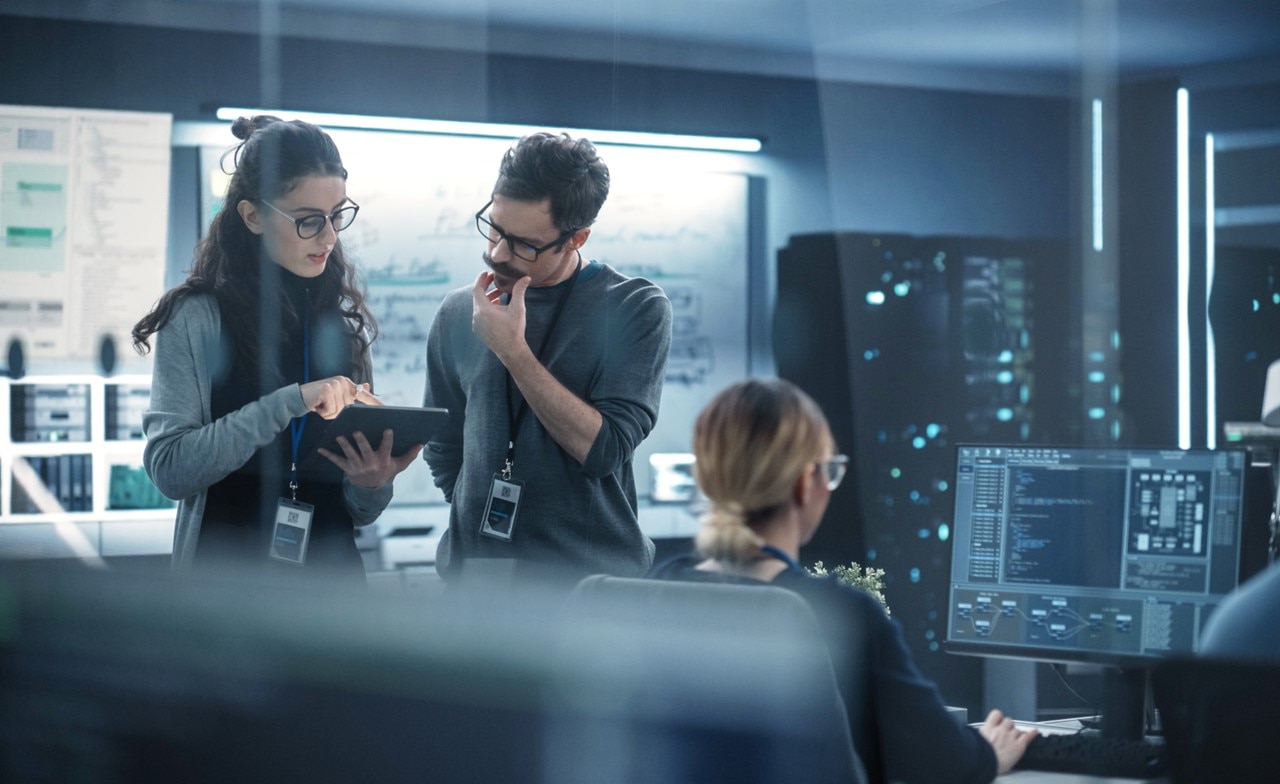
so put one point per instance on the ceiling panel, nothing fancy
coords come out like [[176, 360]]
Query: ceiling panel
[[858, 40]]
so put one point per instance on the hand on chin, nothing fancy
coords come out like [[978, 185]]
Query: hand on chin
[[501, 282]]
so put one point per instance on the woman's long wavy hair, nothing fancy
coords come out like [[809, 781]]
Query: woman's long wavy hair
[[271, 159], [750, 444]]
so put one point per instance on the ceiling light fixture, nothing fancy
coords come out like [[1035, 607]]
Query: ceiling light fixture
[[501, 130]]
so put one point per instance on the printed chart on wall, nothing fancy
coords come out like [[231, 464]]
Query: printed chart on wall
[[84, 204], [415, 239]]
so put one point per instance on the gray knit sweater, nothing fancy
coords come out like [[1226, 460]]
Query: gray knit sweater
[[187, 452], [610, 349]]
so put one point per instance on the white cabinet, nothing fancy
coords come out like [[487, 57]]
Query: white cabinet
[[71, 477], [411, 546]]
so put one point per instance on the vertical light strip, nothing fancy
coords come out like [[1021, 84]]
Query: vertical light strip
[[1210, 349], [1184, 274], [1097, 174]]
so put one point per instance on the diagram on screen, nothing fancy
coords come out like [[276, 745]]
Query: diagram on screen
[[1048, 620], [1167, 512]]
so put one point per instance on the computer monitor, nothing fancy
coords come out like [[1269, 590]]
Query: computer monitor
[[1111, 555]]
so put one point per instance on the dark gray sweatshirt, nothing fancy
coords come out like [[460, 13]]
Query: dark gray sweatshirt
[[609, 348]]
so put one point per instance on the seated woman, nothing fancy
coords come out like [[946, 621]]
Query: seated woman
[[764, 459]]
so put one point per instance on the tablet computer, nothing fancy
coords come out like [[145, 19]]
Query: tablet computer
[[410, 425]]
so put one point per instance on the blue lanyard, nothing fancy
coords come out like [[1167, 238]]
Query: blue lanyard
[[298, 424], [781, 556]]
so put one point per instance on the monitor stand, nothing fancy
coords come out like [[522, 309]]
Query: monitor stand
[[1125, 695]]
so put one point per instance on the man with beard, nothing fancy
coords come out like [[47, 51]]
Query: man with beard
[[551, 366]]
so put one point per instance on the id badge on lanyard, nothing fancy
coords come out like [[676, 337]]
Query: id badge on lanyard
[[500, 511], [292, 532]]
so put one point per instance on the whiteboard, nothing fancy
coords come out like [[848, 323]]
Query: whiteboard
[[415, 240]]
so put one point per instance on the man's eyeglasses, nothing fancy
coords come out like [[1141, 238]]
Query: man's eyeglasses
[[834, 470], [312, 225], [519, 247]]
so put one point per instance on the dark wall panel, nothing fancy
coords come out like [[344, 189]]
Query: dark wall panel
[[931, 162], [1148, 242]]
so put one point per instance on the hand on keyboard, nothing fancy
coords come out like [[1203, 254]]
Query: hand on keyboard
[[1095, 755], [1007, 739]]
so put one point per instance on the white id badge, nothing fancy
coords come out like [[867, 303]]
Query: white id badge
[[500, 513], [292, 532]]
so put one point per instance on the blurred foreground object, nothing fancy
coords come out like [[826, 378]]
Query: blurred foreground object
[[138, 676]]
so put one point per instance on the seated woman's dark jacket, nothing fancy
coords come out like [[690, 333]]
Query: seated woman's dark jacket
[[900, 726]]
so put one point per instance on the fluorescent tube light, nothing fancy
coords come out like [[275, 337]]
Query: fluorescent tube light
[[501, 130], [1184, 270], [1097, 175]]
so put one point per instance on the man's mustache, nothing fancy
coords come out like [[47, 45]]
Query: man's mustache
[[504, 270]]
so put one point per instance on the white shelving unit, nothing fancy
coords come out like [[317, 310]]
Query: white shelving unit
[[52, 530]]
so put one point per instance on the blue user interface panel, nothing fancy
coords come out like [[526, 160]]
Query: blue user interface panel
[[1091, 554]]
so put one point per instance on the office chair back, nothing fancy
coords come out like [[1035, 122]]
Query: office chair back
[[1220, 718], [701, 681]]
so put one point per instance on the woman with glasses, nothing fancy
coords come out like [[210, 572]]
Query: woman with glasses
[[765, 460], [268, 337]]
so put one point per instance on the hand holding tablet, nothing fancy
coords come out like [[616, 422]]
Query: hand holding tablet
[[410, 426]]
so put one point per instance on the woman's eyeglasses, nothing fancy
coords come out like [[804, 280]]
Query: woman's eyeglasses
[[312, 225], [834, 470]]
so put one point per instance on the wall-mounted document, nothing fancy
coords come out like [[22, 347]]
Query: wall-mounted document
[[84, 217]]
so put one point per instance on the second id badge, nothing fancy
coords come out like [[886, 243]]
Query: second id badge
[[291, 532], [499, 519]]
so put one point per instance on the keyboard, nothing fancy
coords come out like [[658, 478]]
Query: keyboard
[[1092, 754]]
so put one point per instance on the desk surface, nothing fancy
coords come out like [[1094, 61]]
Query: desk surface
[[1061, 726], [1045, 777]]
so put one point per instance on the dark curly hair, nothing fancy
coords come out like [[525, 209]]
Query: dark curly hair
[[271, 159]]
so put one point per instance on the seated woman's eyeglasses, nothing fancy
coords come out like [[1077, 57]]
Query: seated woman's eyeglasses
[[312, 225], [834, 470], [519, 247]]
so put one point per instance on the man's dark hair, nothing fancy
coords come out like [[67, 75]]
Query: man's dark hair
[[565, 170]]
